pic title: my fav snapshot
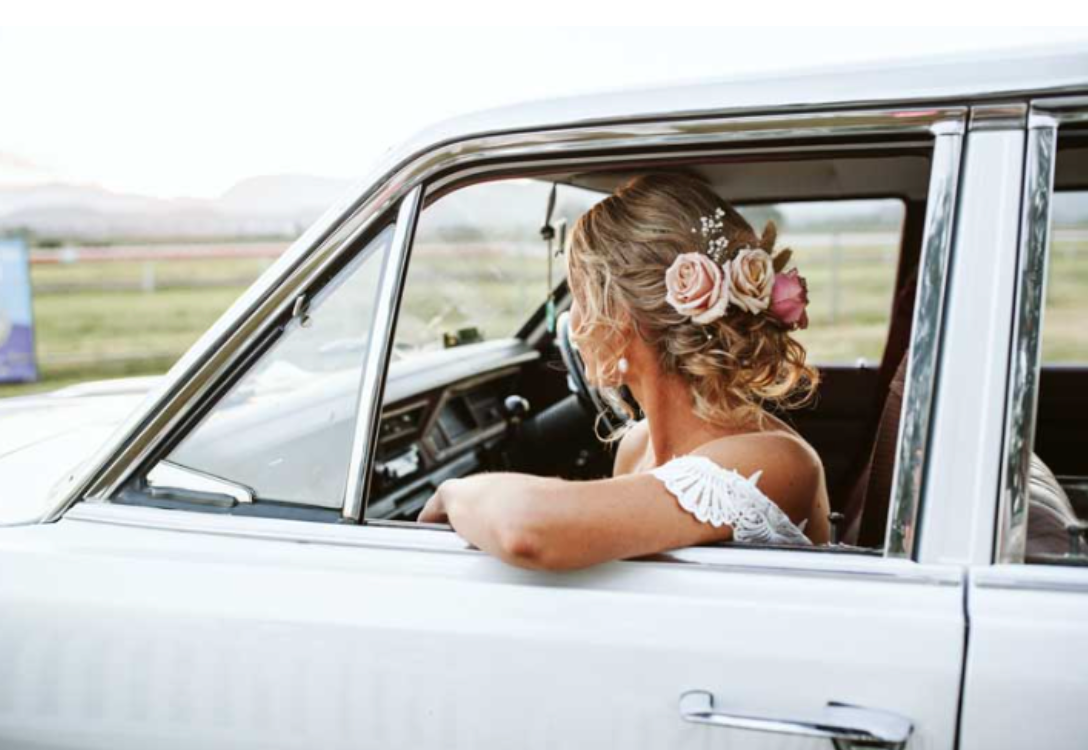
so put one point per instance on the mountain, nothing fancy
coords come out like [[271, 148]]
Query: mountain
[[276, 205]]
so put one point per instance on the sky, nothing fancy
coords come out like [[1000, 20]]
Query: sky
[[188, 112]]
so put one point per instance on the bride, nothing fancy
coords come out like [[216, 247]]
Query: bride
[[675, 296]]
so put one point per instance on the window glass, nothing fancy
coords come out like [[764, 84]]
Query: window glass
[[1057, 488], [848, 252], [479, 266], [284, 430], [1065, 335]]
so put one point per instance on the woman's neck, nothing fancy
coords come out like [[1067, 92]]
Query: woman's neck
[[675, 429]]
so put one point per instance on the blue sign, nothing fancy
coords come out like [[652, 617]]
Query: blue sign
[[16, 314]]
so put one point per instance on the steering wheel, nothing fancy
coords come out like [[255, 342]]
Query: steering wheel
[[577, 381]]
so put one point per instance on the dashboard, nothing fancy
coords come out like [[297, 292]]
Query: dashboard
[[443, 417]]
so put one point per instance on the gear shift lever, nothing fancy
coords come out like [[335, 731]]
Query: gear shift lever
[[515, 408]]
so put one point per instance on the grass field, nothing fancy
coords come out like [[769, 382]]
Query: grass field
[[94, 321]]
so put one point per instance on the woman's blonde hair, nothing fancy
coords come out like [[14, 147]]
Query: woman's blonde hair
[[619, 252]]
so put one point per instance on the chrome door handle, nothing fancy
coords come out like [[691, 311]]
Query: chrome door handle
[[845, 725]]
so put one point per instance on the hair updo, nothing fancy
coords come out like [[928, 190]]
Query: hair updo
[[619, 252]]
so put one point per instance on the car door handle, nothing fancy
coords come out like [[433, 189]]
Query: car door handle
[[845, 725]]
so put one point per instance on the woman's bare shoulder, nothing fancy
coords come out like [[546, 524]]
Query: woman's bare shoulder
[[791, 468], [631, 449]]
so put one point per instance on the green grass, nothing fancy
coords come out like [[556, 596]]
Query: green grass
[[85, 333]]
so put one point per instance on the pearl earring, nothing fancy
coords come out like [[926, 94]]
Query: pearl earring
[[622, 364]]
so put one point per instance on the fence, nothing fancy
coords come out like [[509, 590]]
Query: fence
[[105, 311]]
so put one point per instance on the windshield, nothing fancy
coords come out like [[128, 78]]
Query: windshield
[[480, 267]]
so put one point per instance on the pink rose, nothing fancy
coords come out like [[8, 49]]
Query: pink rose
[[694, 287], [789, 298]]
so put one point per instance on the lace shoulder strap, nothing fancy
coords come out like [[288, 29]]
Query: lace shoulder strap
[[720, 496]]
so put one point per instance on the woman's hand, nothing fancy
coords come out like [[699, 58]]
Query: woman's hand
[[435, 510]]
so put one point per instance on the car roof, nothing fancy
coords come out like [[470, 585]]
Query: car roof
[[991, 74]]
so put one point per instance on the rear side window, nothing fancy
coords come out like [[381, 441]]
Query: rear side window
[[1065, 312], [1056, 489], [848, 251]]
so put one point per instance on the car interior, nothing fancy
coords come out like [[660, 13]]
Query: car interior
[[465, 394]]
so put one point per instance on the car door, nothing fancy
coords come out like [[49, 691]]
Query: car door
[[1025, 682], [173, 623]]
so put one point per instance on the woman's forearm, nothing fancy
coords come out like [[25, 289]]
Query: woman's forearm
[[510, 516]]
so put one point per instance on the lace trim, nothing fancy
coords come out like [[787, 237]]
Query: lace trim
[[720, 496]]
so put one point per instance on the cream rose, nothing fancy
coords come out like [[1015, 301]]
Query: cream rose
[[695, 287], [751, 278]]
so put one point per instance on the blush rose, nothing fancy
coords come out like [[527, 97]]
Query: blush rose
[[695, 287]]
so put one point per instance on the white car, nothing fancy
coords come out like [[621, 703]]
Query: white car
[[228, 556]]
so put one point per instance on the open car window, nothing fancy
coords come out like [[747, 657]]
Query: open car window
[[456, 405]]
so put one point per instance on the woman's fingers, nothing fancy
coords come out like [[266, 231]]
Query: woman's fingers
[[434, 511]]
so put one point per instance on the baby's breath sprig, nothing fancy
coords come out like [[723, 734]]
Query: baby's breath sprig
[[709, 226]]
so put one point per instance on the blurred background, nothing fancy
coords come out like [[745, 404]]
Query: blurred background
[[149, 176]]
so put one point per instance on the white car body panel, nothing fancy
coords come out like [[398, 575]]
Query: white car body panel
[[42, 438], [132, 637], [1026, 682]]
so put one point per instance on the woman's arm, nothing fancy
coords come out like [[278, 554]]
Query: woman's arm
[[555, 524]]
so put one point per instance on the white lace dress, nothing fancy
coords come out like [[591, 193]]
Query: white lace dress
[[720, 496]]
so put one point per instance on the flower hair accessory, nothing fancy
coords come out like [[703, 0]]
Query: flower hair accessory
[[703, 284]]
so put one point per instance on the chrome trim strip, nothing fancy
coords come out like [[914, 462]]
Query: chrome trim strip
[[644, 136], [414, 538], [918, 396], [1064, 587], [1011, 116], [232, 336], [372, 383], [1023, 384], [1064, 109], [1013, 581]]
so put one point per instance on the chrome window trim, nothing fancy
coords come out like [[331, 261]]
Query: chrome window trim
[[372, 382], [1011, 116], [1064, 110], [921, 378], [839, 566], [322, 246], [1023, 382]]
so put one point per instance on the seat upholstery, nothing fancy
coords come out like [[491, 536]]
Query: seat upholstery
[[1049, 510], [866, 511]]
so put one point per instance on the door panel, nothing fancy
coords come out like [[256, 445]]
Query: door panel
[[130, 636], [1026, 683]]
